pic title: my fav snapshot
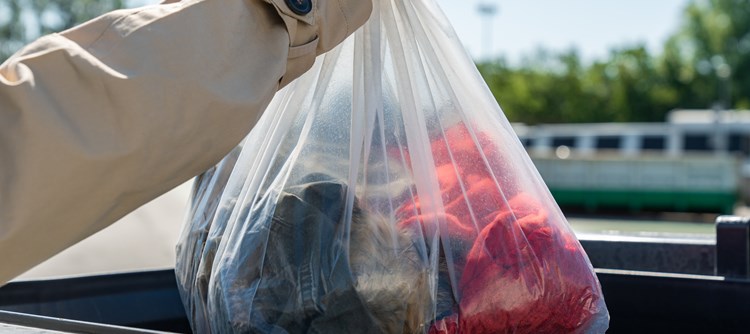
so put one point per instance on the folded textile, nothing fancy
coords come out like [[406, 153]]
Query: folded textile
[[519, 271], [310, 281]]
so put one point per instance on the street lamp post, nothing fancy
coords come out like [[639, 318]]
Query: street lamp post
[[488, 12], [724, 72], [723, 102]]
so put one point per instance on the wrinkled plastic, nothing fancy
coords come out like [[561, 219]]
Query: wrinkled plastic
[[384, 192]]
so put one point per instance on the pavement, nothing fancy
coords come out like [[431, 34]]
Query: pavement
[[144, 239]]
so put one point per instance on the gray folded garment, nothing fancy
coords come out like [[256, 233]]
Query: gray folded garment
[[321, 275]]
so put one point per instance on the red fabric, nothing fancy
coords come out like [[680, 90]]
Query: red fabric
[[525, 276], [462, 166], [522, 272], [447, 325]]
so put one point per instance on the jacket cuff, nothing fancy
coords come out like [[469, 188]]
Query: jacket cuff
[[317, 26], [301, 27]]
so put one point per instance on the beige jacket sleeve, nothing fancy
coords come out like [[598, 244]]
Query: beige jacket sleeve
[[100, 119]]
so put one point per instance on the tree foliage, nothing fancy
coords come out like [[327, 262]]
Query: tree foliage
[[706, 62]]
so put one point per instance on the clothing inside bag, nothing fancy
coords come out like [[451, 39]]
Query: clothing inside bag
[[384, 192], [309, 282]]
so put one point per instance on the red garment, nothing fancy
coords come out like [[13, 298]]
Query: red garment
[[522, 271], [523, 275], [470, 175]]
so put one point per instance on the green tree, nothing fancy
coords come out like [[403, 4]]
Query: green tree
[[708, 59], [22, 21], [559, 88], [638, 91], [546, 88]]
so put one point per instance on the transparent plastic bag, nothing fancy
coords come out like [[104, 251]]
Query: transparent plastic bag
[[384, 192]]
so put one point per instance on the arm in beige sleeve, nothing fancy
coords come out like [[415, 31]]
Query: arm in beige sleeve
[[100, 119]]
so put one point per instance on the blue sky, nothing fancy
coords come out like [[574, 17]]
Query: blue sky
[[593, 26]]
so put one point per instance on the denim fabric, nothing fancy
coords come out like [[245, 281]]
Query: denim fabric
[[306, 285]]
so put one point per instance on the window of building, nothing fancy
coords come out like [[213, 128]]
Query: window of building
[[527, 142], [653, 143], [739, 143], [564, 141], [696, 142], [608, 142]]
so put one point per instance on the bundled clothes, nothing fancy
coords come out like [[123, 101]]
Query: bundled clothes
[[517, 269], [308, 281], [313, 259]]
